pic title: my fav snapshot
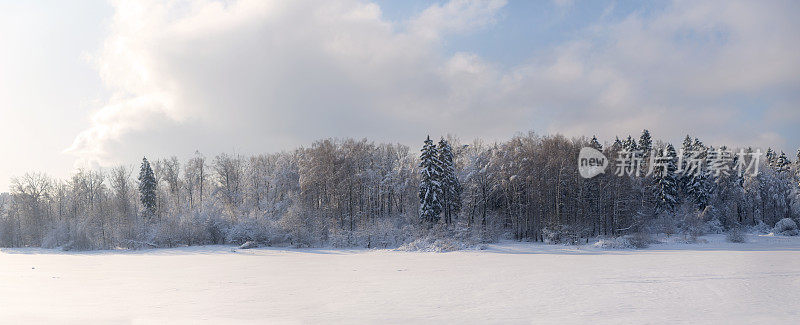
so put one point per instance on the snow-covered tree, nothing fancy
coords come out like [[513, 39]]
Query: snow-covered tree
[[771, 157], [645, 142], [451, 187], [686, 154], [630, 144], [228, 172], [123, 199], [798, 157], [782, 163], [617, 145], [195, 179], [596, 144], [147, 189], [797, 174], [666, 184], [430, 186]]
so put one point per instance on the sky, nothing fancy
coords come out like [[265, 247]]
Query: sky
[[93, 84]]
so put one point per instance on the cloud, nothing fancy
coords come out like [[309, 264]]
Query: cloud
[[259, 76], [262, 76], [455, 16], [711, 69]]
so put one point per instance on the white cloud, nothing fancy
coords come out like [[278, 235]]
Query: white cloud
[[260, 76], [455, 16], [683, 70], [264, 75]]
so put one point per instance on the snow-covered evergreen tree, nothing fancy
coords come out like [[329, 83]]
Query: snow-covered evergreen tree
[[646, 146], [797, 173], [798, 157], [616, 146], [685, 154], [430, 187], [696, 179], [147, 189], [770, 155], [686, 146], [666, 183], [782, 163], [596, 144], [645, 142], [629, 144], [451, 187]]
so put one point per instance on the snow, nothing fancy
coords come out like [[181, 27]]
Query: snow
[[509, 282]]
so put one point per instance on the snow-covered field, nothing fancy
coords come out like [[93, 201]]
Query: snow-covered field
[[716, 282]]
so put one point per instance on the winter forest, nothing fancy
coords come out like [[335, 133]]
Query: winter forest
[[357, 193]]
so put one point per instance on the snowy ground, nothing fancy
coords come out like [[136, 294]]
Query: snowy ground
[[716, 282]]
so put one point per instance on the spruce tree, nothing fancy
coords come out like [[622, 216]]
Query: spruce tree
[[686, 147], [782, 163], [645, 142], [596, 144], [629, 150], [798, 157], [451, 188], [686, 153], [701, 184], [147, 189], [617, 145], [770, 155], [629, 144], [695, 182], [666, 184], [797, 163], [645, 145], [430, 187], [797, 168]]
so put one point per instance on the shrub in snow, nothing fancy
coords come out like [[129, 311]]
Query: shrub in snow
[[665, 223], [385, 233], [786, 227], [166, 233], [465, 234], [735, 235], [634, 241], [760, 228], [302, 228], [6, 233], [254, 229], [248, 245], [640, 239], [714, 226], [341, 238], [57, 236], [381, 233], [614, 243], [694, 240], [215, 229], [706, 221], [81, 238], [442, 239], [197, 228], [430, 244], [555, 235], [693, 225]]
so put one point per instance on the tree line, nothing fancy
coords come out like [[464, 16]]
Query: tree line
[[346, 192]]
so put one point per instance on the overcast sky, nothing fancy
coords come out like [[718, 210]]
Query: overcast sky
[[93, 83]]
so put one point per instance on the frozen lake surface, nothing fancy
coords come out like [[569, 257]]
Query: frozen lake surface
[[509, 282]]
